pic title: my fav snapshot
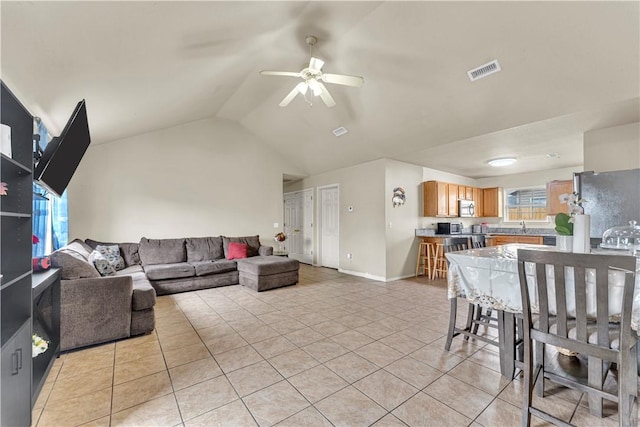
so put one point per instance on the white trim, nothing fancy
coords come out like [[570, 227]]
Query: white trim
[[365, 275]]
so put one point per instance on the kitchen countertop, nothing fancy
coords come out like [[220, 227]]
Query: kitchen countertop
[[430, 232]]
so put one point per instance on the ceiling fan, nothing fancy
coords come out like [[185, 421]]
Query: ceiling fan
[[313, 77]]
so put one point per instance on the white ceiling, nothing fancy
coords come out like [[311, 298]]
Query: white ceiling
[[567, 67]]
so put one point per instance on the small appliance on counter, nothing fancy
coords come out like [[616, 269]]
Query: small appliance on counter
[[476, 229], [449, 228]]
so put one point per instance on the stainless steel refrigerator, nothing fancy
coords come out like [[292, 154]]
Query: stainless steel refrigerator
[[612, 199]]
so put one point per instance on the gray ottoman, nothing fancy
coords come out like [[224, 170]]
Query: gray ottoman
[[261, 273]]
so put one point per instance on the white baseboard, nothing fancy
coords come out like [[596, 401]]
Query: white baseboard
[[365, 275]]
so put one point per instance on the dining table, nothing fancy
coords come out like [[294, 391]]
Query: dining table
[[489, 277]]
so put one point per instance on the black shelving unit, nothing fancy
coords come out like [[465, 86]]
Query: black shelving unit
[[15, 264], [46, 324]]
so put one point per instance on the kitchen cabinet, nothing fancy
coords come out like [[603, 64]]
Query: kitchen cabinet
[[435, 198], [477, 201], [468, 193], [504, 239], [554, 190], [453, 200], [492, 202]]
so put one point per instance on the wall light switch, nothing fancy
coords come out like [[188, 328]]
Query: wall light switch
[[276, 225]]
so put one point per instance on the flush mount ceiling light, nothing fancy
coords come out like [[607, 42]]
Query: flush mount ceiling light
[[503, 161]]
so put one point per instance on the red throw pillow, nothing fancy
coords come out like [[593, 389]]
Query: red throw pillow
[[237, 250]]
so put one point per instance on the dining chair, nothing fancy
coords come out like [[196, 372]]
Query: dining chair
[[478, 242], [601, 341], [475, 317]]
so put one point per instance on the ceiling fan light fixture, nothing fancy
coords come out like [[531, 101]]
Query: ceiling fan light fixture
[[315, 87], [502, 161], [302, 87]]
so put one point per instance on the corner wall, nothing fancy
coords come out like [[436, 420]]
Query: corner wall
[[204, 178], [612, 149], [362, 232]]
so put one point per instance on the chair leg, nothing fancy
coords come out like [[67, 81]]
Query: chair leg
[[627, 388], [478, 317], [452, 322], [596, 380], [471, 314], [528, 380], [539, 361]]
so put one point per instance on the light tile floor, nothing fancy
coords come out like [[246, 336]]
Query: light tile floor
[[333, 350]]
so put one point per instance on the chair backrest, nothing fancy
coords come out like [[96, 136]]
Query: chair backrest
[[573, 276], [452, 244], [478, 242]]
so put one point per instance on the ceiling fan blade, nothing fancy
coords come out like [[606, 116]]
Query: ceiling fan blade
[[342, 79], [280, 73], [300, 87], [326, 96], [316, 64]]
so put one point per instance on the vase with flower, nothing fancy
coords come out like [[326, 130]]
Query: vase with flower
[[572, 227], [280, 237]]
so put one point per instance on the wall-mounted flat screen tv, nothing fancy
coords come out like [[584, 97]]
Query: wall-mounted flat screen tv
[[62, 155]]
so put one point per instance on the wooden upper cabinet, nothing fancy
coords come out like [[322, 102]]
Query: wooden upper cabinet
[[492, 202], [554, 190], [468, 193], [477, 198], [435, 198], [453, 199], [462, 192]]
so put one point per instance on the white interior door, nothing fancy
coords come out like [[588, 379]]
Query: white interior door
[[329, 206], [298, 225]]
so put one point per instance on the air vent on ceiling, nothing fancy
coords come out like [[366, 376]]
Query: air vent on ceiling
[[484, 70], [339, 131]]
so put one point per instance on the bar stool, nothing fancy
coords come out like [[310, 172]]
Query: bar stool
[[439, 262], [425, 257]]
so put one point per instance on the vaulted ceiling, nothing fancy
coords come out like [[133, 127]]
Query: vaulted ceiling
[[567, 67]]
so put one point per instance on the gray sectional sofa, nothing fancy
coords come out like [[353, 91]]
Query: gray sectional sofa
[[96, 309]]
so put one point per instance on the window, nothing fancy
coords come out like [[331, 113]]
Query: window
[[50, 224], [526, 204]]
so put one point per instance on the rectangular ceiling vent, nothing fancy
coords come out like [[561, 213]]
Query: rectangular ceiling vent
[[484, 70], [339, 131]]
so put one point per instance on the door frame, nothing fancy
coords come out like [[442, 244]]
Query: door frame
[[319, 224]]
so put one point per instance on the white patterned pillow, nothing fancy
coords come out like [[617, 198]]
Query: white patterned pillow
[[112, 254], [104, 267]]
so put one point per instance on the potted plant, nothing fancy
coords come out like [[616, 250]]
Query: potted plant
[[564, 222]]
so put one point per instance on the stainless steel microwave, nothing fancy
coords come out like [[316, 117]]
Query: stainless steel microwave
[[449, 228], [466, 208]]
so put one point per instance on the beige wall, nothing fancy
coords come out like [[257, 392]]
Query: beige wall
[[204, 178], [612, 149], [362, 232], [401, 222]]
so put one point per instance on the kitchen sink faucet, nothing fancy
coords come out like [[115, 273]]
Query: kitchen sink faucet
[[524, 227]]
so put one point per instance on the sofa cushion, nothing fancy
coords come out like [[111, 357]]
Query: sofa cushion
[[112, 254], [127, 271], [252, 241], [102, 264], [79, 247], [266, 265], [169, 271], [128, 251], [204, 249], [213, 267], [72, 264], [162, 251]]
